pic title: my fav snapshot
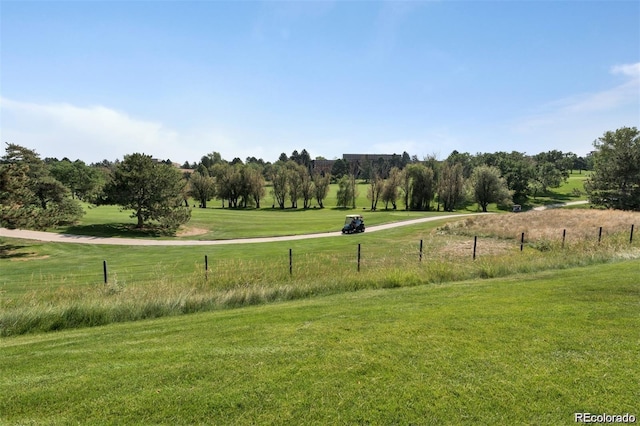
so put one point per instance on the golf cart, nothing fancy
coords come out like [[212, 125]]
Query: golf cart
[[353, 223]]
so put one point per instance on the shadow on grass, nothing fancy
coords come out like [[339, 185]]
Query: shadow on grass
[[551, 197], [124, 230], [8, 251]]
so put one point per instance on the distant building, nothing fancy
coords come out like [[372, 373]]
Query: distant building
[[362, 158], [322, 166]]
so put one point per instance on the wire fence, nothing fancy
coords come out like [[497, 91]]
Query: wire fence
[[291, 263]]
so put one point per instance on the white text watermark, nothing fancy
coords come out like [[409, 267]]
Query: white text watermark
[[604, 418]]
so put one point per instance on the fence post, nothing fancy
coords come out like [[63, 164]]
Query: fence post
[[522, 241], [564, 235], [420, 250], [206, 267], [358, 257], [631, 236], [600, 235], [104, 270], [290, 262], [475, 243]]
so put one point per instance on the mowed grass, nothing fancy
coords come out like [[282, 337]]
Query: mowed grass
[[528, 349], [46, 287], [31, 266], [215, 222], [571, 190]]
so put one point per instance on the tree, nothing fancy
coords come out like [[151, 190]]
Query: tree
[[488, 186], [354, 190], [295, 157], [546, 176], [211, 160], [339, 168], [154, 191], [422, 187], [464, 159], [254, 182], [228, 182], [451, 185], [29, 196], [563, 162], [580, 164], [615, 181], [83, 181], [405, 186], [305, 159], [279, 183], [390, 189], [295, 179], [405, 160], [376, 185], [321, 187], [306, 187], [202, 188], [551, 169], [517, 169], [345, 192]]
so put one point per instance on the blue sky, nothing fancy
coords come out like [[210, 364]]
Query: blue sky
[[179, 79]]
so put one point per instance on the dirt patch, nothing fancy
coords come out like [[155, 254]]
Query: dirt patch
[[190, 232], [485, 246], [26, 258]]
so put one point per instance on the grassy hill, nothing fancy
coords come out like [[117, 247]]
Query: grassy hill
[[528, 349], [513, 337]]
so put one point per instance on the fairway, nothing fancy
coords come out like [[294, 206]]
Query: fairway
[[529, 349], [217, 223]]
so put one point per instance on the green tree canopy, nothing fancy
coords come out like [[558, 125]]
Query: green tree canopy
[[615, 182], [29, 196], [345, 194], [154, 191], [279, 179], [83, 181], [202, 188], [488, 187], [422, 188], [390, 189], [451, 185], [339, 169], [321, 187]]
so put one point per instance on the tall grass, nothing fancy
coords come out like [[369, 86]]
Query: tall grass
[[238, 282], [579, 224]]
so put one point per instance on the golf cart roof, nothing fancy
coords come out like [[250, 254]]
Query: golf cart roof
[[355, 216]]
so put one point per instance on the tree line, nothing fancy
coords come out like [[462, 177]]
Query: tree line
[[37, 193]]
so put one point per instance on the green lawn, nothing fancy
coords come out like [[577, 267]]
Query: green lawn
[[30, 266], [531, 349], [571, 190], [215, 223]]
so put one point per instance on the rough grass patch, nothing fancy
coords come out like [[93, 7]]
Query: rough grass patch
[[546, 224]]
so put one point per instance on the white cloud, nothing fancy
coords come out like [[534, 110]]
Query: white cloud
[[575, 121], [632, 70], [97, 132], [90, 133]]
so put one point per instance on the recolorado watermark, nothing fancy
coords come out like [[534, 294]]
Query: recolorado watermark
[[604, 418]]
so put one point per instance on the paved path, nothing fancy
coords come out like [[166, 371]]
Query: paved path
[[83, 239], [555, 206]]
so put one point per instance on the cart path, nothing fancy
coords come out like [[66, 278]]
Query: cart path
[[555, 206], [84, 239]]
